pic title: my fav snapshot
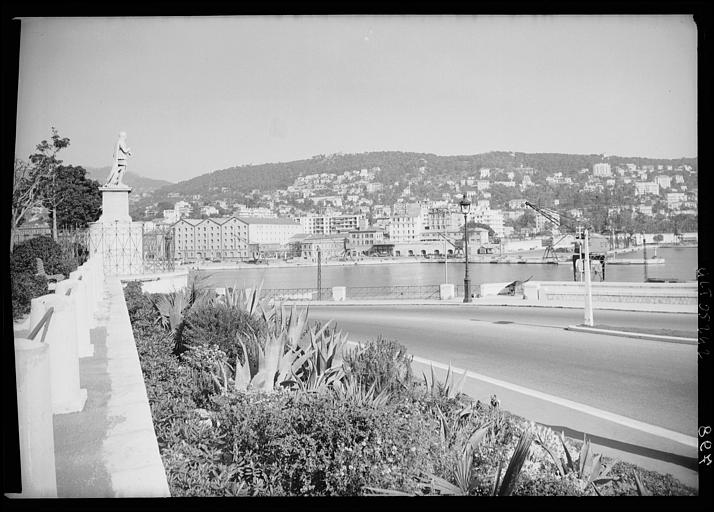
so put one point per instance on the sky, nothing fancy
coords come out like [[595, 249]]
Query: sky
[[198, 94]]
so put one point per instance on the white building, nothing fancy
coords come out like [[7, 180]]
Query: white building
[[405, 228], [646, 187], [332, 224], [264, 230], [225, 237], [492, 218], [663, 181], [602, 169]]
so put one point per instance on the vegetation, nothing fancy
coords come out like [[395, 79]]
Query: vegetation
[[26, 285], [72, 197], [301, 421]]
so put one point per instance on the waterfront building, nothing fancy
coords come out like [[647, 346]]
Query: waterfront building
[[405, 228], [223, 238], [331, 246], [263, 230], [362, 241], [332, 224]]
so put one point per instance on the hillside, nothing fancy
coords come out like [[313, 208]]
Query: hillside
[[395, 166], [139, 183]]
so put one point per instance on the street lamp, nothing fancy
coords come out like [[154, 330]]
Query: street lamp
[[465, 206]]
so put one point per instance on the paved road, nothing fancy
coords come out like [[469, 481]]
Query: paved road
[[650, 381]]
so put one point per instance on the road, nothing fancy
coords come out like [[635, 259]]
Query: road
[[650, 381]]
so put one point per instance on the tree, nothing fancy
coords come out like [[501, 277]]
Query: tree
[[46, 163], [25, 194], [73, 199]]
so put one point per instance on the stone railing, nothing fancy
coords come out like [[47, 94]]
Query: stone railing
[[47, 371]]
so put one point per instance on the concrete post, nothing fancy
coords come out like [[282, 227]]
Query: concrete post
[[89, 304], [64, 361], [84, 346], [34, 418], [446, 291], [339, 293]]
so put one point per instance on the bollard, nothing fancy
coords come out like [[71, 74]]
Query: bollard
[[75, 287], [34, 418], [88, 301], [339, 293], [64, 361], [446, 291]]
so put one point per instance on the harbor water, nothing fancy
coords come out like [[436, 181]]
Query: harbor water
[[680, 263]]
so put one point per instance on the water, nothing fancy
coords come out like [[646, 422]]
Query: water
[[680, 263]]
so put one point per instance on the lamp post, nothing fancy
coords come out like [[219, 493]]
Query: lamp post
[[465, 206]]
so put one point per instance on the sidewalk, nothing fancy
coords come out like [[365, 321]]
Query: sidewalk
[[505, 300]]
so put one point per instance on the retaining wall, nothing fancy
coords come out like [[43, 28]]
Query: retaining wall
[[644, 293]]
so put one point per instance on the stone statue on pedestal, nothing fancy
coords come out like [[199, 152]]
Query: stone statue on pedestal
[[121, 152]]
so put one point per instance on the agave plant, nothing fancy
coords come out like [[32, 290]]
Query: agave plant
[[506, 486], [588, 468], [323, 366], [275, 366], [350, 389], [444, 389], [173, 307]]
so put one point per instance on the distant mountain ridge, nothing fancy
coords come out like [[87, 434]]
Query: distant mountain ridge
[[395, 165], [139, 183]]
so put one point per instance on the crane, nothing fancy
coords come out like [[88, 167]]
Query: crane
[[549, 256], [598, 243]]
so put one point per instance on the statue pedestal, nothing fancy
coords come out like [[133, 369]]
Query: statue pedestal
[[115, 236], [115, 204]]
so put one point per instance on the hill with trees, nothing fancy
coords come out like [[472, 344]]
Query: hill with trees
[[395, 167], [138, 183]]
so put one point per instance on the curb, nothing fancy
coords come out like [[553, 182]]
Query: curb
[[473, 304], [636, 335]]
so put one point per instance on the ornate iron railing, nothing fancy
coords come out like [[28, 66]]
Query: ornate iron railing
[[393, 292], [297, 294], [355, 292]]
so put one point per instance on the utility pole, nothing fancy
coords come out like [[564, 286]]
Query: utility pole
[[319, 273], [588, 285], [644, 254], [446, 261]]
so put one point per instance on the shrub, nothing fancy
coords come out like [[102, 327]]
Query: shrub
[[222, 326], [315, 444], [25, 287], [384, 363], [25, 254], [142, 314]]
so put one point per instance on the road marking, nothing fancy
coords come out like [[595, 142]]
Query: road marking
[[654, 337], [689, 441]]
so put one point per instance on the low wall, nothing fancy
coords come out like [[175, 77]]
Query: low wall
[[647, 293]]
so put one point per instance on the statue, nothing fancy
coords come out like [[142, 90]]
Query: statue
[[121, 152]]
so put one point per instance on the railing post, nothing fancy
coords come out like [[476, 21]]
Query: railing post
[[34, 418], [64, 360], [38, 308], [76, 296]]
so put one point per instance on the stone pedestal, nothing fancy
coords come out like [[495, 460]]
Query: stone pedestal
[[115, 204], [115, 237]]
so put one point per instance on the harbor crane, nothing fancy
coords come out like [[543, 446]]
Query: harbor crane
[[598, 243]]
